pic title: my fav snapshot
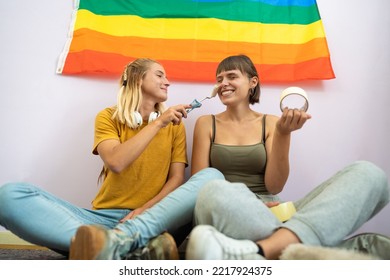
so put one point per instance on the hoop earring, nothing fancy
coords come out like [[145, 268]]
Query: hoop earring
[[138, 118]]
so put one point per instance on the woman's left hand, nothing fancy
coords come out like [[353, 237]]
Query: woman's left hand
[[132, 214], [272, 203], [291, 120]]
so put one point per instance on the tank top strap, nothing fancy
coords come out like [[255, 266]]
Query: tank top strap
[[263, 136], [213, 130]]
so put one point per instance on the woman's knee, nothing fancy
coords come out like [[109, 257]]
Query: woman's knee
[[215, 196], [220, 190], [375, 176], [372, 178], [7, 192], [208, 202], [11, 193], [6, 199]]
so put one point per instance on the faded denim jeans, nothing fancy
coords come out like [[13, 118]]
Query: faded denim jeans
[[43, 219]]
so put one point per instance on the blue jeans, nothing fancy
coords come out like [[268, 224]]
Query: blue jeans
[[43, 219], [325, 216]]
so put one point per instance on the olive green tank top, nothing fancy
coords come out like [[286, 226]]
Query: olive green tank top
[[244, 164]]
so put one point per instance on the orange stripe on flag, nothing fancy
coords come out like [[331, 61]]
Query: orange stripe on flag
[[202, 51], [109, 63]]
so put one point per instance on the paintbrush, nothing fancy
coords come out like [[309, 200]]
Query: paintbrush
[[196, 104]]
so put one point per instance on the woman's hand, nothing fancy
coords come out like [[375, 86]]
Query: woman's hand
[[272, 203], [174, 114], [132, 214], [291, 120]]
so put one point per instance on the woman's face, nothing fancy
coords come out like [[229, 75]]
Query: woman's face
[[155, 83], [234, 86]]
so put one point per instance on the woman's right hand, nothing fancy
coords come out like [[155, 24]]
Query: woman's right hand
[[174, 114]]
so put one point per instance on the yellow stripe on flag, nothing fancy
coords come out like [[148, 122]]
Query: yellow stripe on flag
[[199, 29]]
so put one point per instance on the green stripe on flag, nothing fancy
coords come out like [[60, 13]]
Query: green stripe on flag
[[243, 10]]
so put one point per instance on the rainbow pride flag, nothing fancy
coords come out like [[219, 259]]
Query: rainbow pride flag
[[284, 38]]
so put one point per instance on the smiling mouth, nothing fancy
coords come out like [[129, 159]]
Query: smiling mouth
[[227, 92]]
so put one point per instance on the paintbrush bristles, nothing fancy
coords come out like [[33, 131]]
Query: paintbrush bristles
[[215, 91]]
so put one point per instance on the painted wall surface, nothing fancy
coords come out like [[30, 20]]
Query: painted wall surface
[[47, 120]]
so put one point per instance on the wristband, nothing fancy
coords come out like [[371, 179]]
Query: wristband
[[297, 91]]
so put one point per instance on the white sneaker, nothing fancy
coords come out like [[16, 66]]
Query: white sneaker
[[206, 243]]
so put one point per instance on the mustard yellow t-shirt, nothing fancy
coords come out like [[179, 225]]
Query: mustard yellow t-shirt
[[146, 176]]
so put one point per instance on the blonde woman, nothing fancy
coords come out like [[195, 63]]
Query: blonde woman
[[142, 196]]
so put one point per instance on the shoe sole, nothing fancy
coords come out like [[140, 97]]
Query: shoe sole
[[163, 247], [87, 243]]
